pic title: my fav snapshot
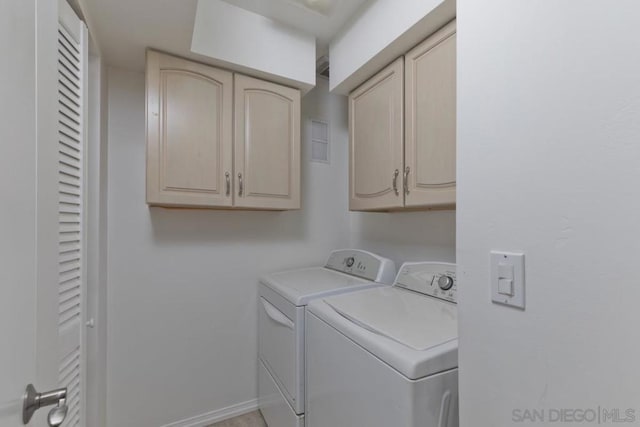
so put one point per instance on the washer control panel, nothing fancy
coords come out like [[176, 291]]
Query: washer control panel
[[362, 264], [436, 279]]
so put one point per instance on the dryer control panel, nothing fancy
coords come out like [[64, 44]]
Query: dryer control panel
[[362, 264], [436, 279]]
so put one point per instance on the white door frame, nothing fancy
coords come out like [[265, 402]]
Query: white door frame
[[96, 308]]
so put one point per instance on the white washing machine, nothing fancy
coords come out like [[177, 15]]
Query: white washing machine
[[386, 357], [281, 317]]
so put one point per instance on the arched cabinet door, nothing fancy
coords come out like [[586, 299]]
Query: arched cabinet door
[[266, 145], [430, 136], [189, 133], [376, 141]]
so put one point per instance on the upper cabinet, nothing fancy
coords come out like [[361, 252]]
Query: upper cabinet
[[403, 131], [375, 134], [191, 145], [267, 144]]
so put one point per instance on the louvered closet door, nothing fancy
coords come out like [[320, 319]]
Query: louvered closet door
[[72, 76]]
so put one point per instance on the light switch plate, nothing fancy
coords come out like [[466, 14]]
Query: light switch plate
[[503, 265]]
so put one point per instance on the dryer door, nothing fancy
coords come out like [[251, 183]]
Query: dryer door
[[278, 347]]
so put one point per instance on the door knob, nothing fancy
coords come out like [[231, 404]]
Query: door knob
[[34, 401], [58, 414]]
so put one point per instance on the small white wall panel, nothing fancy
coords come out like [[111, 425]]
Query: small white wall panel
[[319, 141]]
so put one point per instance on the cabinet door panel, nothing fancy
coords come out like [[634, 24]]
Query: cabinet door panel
[[184, 93], [430, 145], [376, 133], [267, 145], [189, 119]]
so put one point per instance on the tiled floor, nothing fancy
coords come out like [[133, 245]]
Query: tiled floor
[[252, 419]]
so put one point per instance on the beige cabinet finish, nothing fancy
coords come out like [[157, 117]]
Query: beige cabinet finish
[[430, 120], [189, 133], [402, 131], [266, 145], [194, 157], [375, 141]]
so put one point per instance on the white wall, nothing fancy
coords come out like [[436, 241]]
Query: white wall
[[406, 236], [548, 161], [381, 32], [248, 42], [182, 283]]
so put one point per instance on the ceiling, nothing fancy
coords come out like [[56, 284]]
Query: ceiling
[[125, 28]]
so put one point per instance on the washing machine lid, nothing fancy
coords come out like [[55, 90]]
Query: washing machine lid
[[415, 334], [416, 321], [300, 286]]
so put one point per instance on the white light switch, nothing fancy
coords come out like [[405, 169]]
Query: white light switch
[[505, 271], [507, 278], [505, 287]]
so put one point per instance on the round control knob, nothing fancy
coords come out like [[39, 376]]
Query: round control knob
[[350, 261], [445, 282]]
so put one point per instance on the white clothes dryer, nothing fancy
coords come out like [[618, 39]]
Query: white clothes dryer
[[283, 298]]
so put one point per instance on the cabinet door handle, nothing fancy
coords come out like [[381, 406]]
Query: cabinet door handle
[[240, 185], [227, 176], [406, 180], [395, 181]]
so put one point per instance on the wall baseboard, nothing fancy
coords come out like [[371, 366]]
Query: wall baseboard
[[209, 418]]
